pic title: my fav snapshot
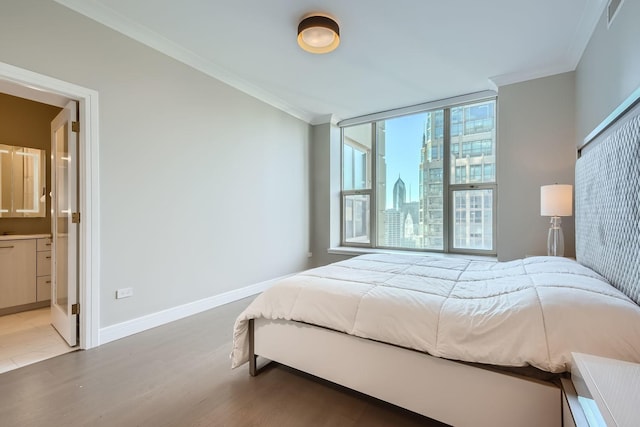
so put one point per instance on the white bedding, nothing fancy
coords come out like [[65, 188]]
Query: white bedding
[[534, 311]]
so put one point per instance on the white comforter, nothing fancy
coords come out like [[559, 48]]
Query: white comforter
[[534, 311]]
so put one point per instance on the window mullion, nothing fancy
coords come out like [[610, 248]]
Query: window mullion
[[447, 224], [343, 239], [373, 164]]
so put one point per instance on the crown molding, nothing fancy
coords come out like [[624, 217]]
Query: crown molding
[[589, 19], [591, 15], [97, 11], [112, 19], [323, 119], [523, 76]]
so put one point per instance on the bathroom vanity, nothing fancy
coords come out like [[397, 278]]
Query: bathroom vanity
[[25, 260], [25, 272]]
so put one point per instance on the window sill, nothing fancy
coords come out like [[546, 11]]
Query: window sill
[[353, 251]]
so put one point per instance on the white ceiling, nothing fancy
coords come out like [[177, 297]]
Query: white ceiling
[[392, 53]]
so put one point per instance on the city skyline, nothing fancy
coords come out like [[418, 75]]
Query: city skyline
[[403, 162], [409, 186]]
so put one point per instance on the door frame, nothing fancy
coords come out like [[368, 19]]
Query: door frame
[[89, 192]]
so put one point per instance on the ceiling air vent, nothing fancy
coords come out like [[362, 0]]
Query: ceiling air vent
[[612, 10]]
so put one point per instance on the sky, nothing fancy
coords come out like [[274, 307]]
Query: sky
[[403, 144]]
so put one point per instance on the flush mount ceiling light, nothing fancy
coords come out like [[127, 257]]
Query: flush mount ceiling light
[[318, 34]]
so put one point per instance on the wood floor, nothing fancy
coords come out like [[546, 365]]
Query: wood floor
[[179, 375]]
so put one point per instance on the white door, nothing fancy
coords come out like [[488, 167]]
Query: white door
[[64, 224]]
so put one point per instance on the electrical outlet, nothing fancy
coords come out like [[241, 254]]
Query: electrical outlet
[[124, 293], [309, 254]]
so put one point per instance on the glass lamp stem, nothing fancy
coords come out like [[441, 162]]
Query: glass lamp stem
[[555, 240]]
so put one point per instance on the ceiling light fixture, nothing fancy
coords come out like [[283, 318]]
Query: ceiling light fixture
[[318, 34]]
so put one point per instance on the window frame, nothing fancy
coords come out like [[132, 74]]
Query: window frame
[[451, 235], [448, 189], [343, 206], [344, 194]]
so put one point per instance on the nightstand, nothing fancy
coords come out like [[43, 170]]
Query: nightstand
[[601, 392]]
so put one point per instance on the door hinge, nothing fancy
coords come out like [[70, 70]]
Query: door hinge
[[75, 308], [75, 218], [75, 127]]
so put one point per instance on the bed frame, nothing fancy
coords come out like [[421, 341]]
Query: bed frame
[[448, 391], [607, 236]]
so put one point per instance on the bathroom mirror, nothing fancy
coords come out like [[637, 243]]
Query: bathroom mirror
[[22, 182]]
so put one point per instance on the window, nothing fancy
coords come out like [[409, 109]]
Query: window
[[355, 167], [356, 185], [435, 175], [474, 219], [475, 173], [473, 148], [478, 118], [423, 181], [356, 218], [489, 173], [461, 174]]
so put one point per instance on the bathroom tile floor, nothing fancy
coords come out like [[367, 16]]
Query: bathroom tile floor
[[28, 337]]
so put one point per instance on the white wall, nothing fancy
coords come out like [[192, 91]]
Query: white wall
[[204, 189], [609, 70], [536, 146]]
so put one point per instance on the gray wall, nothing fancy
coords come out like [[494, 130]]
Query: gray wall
[[536, 146], [609, 70], [326, 170], [204, 189]]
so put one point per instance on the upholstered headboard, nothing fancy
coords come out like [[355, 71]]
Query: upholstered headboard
[[608, 203]]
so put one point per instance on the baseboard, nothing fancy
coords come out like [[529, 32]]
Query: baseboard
[[24, 307], [140, 324]]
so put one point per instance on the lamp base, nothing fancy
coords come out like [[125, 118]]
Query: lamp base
[[555, 239]]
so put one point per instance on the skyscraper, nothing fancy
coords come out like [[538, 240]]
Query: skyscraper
[[471, 160], [431, 182], [399, 193], [400, 225]]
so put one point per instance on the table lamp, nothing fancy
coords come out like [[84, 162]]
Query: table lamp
[[556, 201]]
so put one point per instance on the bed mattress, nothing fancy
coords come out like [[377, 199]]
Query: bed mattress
[[529, 312]]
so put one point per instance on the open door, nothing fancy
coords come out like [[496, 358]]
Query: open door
[[64, 223]]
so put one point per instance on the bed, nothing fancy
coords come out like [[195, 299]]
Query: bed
[[471, 343]]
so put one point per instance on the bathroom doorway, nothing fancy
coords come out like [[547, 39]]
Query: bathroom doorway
[[27, 251], [26, 326]]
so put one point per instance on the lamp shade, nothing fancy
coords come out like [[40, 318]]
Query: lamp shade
[[318, 34], [556, 200]]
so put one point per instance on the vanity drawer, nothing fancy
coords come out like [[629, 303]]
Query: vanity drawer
[[43, 263], [17, 272], [43, 288], [44, 244]]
